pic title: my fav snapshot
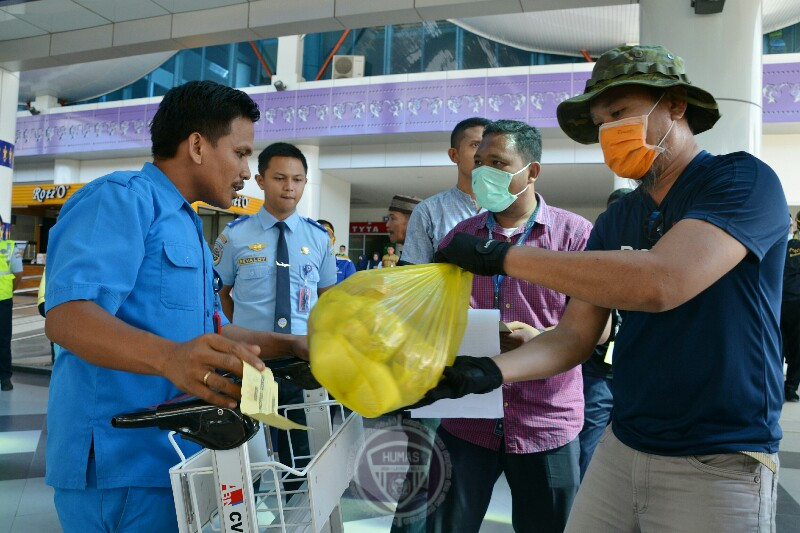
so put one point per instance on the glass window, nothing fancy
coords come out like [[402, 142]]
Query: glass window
[[406, 49], [370, 42], [191, 65], [439, 52], [217, 65]]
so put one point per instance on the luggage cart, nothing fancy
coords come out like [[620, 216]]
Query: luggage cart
[[245, 489]]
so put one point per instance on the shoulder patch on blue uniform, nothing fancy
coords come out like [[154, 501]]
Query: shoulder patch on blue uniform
[[242, 218], [316, 224]]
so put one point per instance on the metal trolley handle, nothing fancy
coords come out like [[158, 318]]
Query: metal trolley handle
[[216, 428]]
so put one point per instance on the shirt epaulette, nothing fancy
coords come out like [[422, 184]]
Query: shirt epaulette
[[242, 218], [123, 177], [316, 224]]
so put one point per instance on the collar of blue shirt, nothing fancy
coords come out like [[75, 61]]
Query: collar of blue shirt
[[169, 189], [268, 221]]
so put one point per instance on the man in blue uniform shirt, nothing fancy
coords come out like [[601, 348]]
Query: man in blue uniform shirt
[[693, 259], [130, 299], [275, 264], [344, 266]]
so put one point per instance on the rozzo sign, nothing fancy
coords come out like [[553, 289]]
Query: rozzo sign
[[241, 202], [56, 192]]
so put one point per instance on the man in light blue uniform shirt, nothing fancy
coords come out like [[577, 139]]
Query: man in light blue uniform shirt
[[263, 290], [129, 297], [245, 254], [436, 215]]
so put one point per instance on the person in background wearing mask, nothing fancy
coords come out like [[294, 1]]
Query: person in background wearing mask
[[344, 266], [10, 277], [535, 443], [790, 315], [400, 210], [694, 260]]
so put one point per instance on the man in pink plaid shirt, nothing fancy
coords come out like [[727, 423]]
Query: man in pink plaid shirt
[[535, 443]]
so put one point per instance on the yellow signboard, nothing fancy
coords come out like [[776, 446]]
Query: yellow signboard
[[242, 205], [49, 194], [42, 194]]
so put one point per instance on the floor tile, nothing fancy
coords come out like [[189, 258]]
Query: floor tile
[[19, 441], [37, 498], [37, 523], [23, 400], [15, 465], [789, 480], [10, 494], [21, 422]]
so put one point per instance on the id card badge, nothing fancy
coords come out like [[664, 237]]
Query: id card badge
[[304, 301]]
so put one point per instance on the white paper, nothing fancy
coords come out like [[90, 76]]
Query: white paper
[[481, 339]]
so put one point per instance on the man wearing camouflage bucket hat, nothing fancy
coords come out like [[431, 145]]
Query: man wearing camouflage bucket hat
[[693, 258]]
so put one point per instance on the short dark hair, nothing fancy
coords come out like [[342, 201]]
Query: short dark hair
[[326, 223], [205, 107], [527, 139], [458, 132], [279, 150]]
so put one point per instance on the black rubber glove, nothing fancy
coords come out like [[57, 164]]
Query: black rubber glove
[[468, 375], [479, 256]]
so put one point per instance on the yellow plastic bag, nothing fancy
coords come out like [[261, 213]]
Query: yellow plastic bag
[[379, 340]]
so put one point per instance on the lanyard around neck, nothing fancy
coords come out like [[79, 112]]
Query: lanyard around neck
[[491, 224]]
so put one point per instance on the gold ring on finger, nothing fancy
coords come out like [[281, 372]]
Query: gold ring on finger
[[205, 378]]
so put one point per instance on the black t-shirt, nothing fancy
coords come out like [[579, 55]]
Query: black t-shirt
[[791, 271]]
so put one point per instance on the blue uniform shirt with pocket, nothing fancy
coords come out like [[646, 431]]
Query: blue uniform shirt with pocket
[[130, 243], [245, 256]]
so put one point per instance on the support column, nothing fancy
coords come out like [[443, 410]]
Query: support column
[[309, 203], [66, 171], [9, 94], [335, 207], [730, 69], [290, 61]]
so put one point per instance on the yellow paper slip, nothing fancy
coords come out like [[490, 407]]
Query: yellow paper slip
[[260, 398]]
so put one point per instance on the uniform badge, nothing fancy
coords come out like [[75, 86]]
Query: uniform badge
[[223, 238], [216, 252], [257, 246], [282, 322], [304, 250]]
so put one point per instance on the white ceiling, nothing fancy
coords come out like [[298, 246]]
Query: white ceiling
[[83, 81], [595, 29], [44, 33]]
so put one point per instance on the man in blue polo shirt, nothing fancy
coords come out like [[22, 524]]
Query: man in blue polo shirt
[[130, 299], [693, 259]]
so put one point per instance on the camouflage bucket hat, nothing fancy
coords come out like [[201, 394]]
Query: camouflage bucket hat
[[653, 66]]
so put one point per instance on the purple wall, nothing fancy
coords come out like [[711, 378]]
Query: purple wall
[[417, 106]]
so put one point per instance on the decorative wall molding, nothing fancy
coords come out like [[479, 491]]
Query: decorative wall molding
[[367, 109]]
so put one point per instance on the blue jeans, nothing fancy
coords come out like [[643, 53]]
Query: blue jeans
[[596, 416]]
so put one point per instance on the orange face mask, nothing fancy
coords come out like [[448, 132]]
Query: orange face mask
[[625, 147]]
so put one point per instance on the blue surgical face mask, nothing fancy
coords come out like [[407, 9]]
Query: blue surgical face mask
[[490, 186]]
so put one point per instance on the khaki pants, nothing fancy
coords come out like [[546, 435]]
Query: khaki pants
[[629, 491]]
